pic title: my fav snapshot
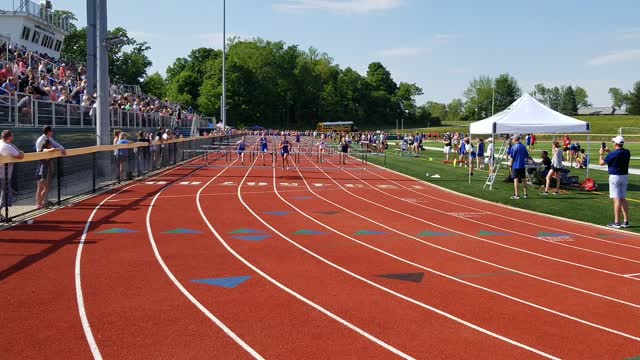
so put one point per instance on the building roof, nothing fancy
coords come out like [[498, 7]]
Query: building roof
[[607, 110]]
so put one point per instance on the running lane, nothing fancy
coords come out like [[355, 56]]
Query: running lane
[[408, 327], [573, 303], [39, 315], [588, 242], [473, 239], [274, 323], [134, 310]]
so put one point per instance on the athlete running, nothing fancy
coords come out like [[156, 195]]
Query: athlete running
[[242, 147], [264, 145], [284, 147]]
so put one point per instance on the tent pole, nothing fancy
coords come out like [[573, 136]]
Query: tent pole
[[492, 160], [468, 156], [588, 153]]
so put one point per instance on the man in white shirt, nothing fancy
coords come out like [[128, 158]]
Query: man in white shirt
[[7, 149], [47, 134]]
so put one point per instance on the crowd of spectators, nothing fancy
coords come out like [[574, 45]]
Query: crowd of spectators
[[38, 76]]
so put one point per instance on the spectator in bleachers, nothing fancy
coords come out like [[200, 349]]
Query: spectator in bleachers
[[7, 148]]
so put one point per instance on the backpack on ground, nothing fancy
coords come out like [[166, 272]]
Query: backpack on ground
[[589, 185]]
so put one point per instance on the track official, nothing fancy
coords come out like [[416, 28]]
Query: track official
[[618, 163]]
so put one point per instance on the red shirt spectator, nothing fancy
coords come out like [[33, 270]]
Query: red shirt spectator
[[566, 142]]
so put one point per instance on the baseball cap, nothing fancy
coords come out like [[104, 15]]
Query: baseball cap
[[618, 140], [516, 137]]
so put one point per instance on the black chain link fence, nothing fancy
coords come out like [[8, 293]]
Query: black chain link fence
[[29, 187]]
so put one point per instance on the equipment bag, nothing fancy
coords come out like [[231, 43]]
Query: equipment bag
[[589, 185]]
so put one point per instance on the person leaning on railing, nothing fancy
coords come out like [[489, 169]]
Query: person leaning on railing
[[7, 148], [47, 135]]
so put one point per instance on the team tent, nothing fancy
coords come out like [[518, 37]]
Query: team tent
[[527, 115]]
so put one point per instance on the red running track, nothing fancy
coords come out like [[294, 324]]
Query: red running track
[[329, 262]]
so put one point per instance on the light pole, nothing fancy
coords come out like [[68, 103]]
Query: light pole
[[224, 65]]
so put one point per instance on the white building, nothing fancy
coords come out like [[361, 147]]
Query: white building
[[34, 26]]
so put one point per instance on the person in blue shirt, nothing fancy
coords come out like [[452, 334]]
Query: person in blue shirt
[[264, 145], [242, 147], [123, 156], [284, 147], [618, 164], [519, 156]]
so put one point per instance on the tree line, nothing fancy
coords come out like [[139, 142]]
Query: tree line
[[282, 86]]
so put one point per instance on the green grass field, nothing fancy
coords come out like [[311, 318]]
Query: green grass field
[[593, 207], [634, 147], [601, 127]]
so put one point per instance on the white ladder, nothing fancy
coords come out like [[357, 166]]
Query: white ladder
[[497, 161]]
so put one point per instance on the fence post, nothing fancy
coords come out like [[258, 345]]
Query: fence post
[[68, 115], [81, 116], [11, 100], [6, 192], [94, 171], [34, 112], [59, 172], [53, 114]]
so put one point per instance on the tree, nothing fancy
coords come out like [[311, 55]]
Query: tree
[[507, 91], [618, 97], [154, 85], [455, 110], [61, 14], [437, 111], [581, 97], [479, 95], [74, 47], [125, 67], [568, 103], [633, 100], [130, 67]]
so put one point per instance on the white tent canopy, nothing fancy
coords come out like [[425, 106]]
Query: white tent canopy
[[527, 115]]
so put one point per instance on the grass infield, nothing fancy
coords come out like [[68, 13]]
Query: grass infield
[[592, 207]]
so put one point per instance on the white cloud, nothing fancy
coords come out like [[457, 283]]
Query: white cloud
[[340, 6], [401, 51], [616, 57], [213, 40]]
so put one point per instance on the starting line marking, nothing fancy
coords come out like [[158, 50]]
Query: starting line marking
[[156, 183], [190, 182]]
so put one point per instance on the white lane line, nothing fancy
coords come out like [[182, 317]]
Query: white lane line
[[540, 307], [516, 219], [483, 212], [461, 254], [280, 285], [88, 333], [186, 292], [86, 326], [369, 282]]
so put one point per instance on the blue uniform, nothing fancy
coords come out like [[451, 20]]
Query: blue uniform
[[263, 144], [285, 147], [242, 146], [298, 138]]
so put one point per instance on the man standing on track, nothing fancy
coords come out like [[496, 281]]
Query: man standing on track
[[519, 156], [618, 163]]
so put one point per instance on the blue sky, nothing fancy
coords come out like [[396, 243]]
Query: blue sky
[[440, 45]]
